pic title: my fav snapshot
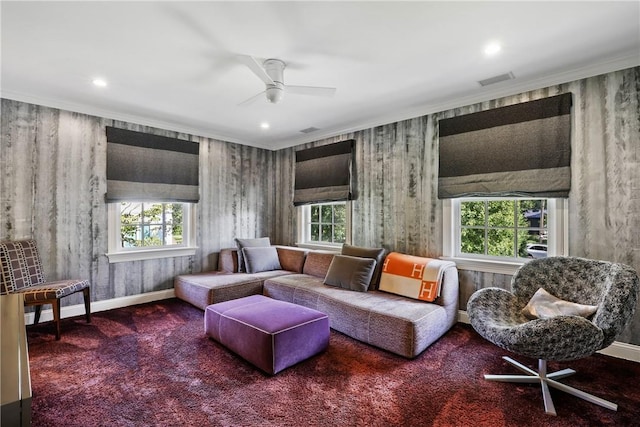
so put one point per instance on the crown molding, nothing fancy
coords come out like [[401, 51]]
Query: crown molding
[[499, 90]]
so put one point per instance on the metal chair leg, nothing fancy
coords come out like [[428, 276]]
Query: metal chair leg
[[546, 381]]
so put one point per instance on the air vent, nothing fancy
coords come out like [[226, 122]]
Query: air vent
[[309, 130], [497, 79]]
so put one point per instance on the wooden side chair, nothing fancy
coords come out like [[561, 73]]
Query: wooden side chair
[[21, 272]]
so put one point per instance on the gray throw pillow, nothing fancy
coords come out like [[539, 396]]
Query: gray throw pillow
[[259, 259], [375, 253], [244, 243], [350, 272]]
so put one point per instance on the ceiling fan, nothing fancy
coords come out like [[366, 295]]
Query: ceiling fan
[[271, 72]]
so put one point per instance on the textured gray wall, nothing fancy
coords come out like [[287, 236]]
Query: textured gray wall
[[397, 205], [53, 184]]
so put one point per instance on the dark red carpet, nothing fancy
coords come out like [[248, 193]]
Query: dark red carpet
[[151, 365]]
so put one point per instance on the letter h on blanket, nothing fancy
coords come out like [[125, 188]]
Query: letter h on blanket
[[412, 276]]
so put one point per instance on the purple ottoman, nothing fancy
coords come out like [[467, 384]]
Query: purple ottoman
[[270, 334]]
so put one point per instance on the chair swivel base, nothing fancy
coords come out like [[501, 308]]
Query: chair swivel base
[[546, 381]]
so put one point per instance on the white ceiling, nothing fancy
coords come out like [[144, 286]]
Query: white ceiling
[[175, 65]]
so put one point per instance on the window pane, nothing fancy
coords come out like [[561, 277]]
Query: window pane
[[129, 220], [533, 214], [472, 241], [129, 236], [152, 235], [152, 213], [340, 214], [315, 213], [472, 213], [315, 232], [501, 213], [326, 233], [327, 214], [524, 239], [501, 242], [340, 234], [130, 213]]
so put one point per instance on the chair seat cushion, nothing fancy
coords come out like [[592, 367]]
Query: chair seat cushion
[[52, 290]]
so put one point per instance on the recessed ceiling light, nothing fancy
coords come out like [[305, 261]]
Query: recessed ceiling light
[[492, 48], [99, 82], [264, 125]]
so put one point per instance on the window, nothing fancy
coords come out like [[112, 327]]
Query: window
[[324, 224], [499, 234], [150, 224], [503, 228], [144, 230]]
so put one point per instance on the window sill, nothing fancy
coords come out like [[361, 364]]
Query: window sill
[[140, 255], [486, 266], [320, 246]]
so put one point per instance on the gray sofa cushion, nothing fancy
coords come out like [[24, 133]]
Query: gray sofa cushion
[[375, 253], [350, 272], [260, 259], [391, 322], [246, 243]]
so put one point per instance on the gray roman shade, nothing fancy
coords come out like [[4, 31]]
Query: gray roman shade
[[519, 150], [145, 167], [323, 174]]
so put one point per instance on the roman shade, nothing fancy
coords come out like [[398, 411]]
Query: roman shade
[[323, 174], [145, 167], [518, 150]]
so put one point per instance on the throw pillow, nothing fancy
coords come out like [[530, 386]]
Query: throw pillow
[[259, 259], [543, 305], [374, 253], [244, 243], [350, 272]]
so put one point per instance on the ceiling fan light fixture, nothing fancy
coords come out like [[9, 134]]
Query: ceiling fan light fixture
[[274, 94], [271, 72]]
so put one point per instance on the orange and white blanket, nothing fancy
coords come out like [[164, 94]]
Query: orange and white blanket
[[412, 276]]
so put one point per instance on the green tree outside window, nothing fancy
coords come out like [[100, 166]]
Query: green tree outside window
[[502, 228], [151, 224]]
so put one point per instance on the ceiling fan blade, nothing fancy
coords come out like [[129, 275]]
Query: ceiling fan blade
[[256, 67], [251, 100], [311, 90]]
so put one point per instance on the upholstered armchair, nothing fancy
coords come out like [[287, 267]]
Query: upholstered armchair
[[611, 289], [21, 272]]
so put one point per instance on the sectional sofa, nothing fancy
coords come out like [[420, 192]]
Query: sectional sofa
[[392, 322]]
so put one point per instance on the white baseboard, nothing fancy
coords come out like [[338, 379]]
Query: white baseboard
[[110, 304], [620, 350]]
